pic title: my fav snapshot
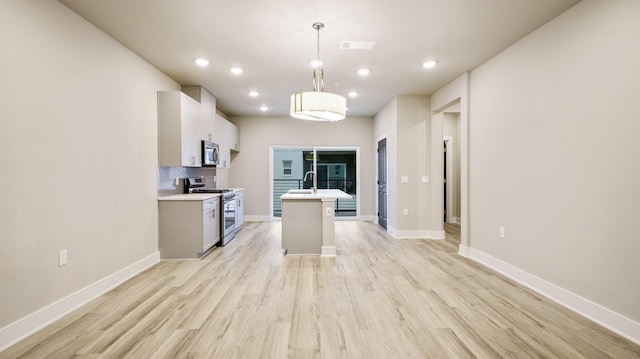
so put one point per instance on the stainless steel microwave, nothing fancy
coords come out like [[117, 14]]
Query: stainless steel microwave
[[210, 154]]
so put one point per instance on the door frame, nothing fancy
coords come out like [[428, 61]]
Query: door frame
[[451, 181], [436, 127]]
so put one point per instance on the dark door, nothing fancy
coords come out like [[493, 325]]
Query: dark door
[[444, 196], [382, 183]]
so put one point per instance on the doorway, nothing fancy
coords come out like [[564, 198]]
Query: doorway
[[457, 189], [451, 181], [445, 192], [335, 167], [382, 183]]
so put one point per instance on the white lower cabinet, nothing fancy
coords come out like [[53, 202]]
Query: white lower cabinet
[[188, 229], [239, 209], [210, 223]]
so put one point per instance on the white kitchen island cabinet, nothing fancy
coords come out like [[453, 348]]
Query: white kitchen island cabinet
[[189, 225], [308, 226]]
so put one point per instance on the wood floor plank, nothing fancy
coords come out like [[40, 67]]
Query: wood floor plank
[[378, 298]]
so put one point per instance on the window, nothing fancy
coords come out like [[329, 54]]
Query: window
[[286, 167], [336, 168]]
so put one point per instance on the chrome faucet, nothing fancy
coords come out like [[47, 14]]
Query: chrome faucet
[[314, 186]]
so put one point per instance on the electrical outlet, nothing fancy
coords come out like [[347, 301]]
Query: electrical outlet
[[406, 211], [425, 179], [404, 179], [328, 211], [177, 181], [501, 232], [62, 257]]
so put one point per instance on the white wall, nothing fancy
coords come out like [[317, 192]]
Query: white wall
[[412, 151], [250, 167], [405, 122], [385, 126], [555, 156], [78, 153]]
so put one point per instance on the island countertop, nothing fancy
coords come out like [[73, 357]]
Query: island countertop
[[321, 194]]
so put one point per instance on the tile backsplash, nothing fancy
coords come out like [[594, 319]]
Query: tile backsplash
[[167, 177]]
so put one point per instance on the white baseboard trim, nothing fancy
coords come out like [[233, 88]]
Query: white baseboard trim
[[328, 251], [457, 220], [257, 218], [24, 327], [593, 311], [463, 250]]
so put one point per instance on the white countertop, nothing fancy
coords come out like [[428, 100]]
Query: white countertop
[[189, 197], [194, 196], [321, 194]]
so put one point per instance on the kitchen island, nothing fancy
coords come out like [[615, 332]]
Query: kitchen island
[[308, 221]]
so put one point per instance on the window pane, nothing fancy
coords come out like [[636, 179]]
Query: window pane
[[336, 169]]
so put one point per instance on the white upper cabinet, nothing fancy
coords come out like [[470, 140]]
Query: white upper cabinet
[[228, 137], [184, 119], [234, 138], [179, 130], [207, 110], [222, 138]]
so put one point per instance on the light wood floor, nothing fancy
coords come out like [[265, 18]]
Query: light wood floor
[[379, 298]]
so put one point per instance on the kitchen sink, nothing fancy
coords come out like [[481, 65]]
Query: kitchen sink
[[300, 191]]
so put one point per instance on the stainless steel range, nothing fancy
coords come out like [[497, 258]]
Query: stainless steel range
[[228, 206]]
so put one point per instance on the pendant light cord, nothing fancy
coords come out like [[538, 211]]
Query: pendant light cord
[[318, 72], [318, 44]]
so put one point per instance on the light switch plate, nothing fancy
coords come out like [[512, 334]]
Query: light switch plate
[[62, 257], [425, 179], [404, 179], [328, 211]]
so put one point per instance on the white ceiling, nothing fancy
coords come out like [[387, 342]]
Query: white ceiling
[[273, 42]]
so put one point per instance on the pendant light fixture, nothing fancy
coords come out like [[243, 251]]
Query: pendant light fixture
[[318, 105]]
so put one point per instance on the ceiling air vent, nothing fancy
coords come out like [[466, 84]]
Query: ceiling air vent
[[357, 45]]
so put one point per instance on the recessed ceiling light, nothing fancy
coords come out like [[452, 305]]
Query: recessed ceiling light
[[429, 64], [201, 61], [254, 93], [264, 108], [353, 94], [364, 72], [316, 63], [236, 70]]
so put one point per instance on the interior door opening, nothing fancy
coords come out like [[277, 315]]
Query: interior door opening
[[444, 182], [382, 183]]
